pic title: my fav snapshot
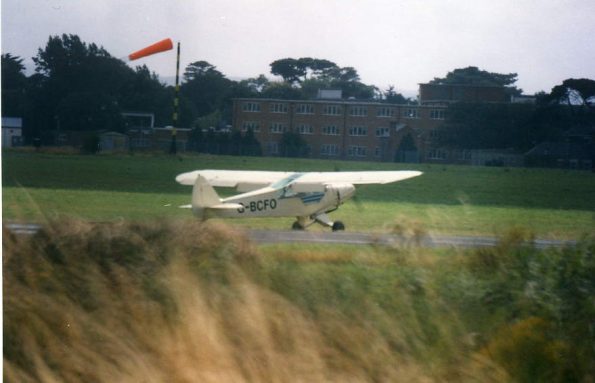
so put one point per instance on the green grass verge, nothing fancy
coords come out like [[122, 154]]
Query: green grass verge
[[446, 199]]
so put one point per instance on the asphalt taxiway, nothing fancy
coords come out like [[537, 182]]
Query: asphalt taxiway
[[350, 238]]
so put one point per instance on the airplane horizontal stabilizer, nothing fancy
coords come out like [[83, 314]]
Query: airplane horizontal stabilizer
[[226, 206]]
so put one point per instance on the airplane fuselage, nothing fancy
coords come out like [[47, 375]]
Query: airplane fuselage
[[283, 202]]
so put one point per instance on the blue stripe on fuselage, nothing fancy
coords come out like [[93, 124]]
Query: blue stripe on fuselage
[[312, 198]]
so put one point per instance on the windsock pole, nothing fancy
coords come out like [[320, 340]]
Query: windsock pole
[[173, 148]]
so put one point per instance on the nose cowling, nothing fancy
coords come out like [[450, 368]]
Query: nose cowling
[[342, 191]]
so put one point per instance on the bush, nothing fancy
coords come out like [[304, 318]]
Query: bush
[[90, 144]]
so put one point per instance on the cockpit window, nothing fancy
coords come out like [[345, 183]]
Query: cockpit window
[[286, 181]]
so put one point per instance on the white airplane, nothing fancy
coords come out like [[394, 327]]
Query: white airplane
[[306, 196]]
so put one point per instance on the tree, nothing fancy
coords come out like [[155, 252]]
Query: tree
[[474, 76], [563, 94], [196, 140], [199, 69], [348, 81], [291, 70], [13, 76], [144, 92], [310, 74], [89, 111], [282, 90], [206, 88], [255, 86], [14, 84], [336, 74], [393, 97], [321, 66], [80, 86], [293, 145], [244, 144], [296, 70], [250, 144], [489, 126], [568, 107], [209, 121], [72, 65]]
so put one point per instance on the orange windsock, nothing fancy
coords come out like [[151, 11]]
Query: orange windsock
[[161, 46]]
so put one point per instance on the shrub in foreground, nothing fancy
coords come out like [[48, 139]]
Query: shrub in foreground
[[197, 302]]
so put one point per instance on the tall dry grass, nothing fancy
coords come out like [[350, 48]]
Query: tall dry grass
[[164, 302], [167, 301]]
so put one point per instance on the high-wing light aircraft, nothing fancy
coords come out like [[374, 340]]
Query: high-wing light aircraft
[[306, 196]]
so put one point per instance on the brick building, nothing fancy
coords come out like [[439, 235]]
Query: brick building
[[344, 129]]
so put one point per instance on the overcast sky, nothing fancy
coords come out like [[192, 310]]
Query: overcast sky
[[389, 42]]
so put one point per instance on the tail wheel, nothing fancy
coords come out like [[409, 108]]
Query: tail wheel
[[338, 226]]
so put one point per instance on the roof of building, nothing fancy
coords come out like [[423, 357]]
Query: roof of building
[[342, 101], [461, 85], [12, 122]]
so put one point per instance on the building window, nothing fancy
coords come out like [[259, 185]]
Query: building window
[[304, 109], [437, 114], [437, 154], [412, 113], [356, 151], [305, 129], [278, 128], [278, 108], [358, 131], [251, 107], [385, 111], [250, 125], [329, 150], [358, 111], [382, 132], [332, 110], [330, 130], [377, 152]]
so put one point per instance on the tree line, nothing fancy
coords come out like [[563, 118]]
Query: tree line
[[79, 86], [566, 114]]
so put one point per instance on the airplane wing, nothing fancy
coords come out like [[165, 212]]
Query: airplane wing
[[247, 180], [356, 178], [243, 180]]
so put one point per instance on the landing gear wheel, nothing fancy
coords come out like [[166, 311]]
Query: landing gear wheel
[[296, 226], [338, 226]]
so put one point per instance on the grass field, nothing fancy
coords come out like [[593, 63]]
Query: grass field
[[446, 199]]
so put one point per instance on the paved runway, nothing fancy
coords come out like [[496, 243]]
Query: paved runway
[[349, 238]]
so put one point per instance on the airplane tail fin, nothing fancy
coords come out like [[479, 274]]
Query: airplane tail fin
[[203, 197]]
